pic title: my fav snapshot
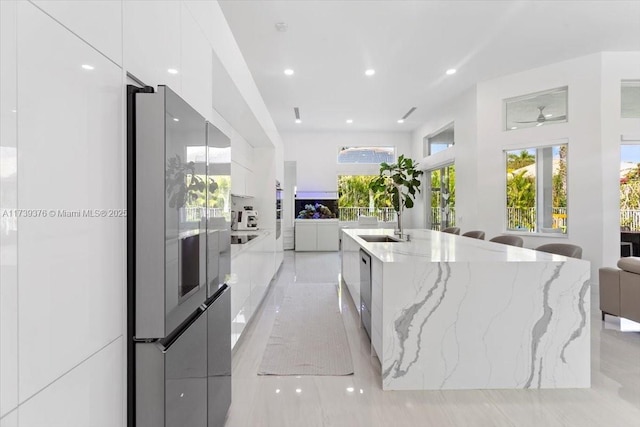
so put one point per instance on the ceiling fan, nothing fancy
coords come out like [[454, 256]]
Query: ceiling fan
[[542, 118]]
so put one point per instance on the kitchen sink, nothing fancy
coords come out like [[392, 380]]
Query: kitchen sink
[[239, 240], [378, 238]]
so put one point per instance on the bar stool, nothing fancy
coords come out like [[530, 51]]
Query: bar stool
[[451, 230], [509, 240], [475, 234], [565, 249]]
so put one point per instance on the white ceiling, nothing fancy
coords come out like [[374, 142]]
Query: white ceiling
[[410, 44]]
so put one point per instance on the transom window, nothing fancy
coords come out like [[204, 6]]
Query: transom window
[[536, 109], [630, 99], [366, 155], [439, 141]]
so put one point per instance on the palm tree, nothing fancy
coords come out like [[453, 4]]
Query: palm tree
[[517, 161]]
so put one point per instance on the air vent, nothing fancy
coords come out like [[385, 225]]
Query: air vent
[[409, 113]]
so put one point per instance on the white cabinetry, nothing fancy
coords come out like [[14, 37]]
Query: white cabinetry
[[240, 284], [306, 235], [327, 239], [317, 235], [252, 269]]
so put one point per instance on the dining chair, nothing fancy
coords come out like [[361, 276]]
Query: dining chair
[[506, 239]]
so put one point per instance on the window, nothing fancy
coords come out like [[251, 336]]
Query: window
[[355, 199], [630, 99], [536, 109], [536, 189], [366, 155], [442, 195], [630, 187], [439, 141]]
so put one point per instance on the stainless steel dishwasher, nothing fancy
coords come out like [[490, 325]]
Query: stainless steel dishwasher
[[365, 291]]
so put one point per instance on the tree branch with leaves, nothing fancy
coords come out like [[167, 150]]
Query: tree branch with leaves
[[400, 180]]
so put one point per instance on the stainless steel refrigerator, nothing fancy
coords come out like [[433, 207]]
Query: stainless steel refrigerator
[[179, 314]]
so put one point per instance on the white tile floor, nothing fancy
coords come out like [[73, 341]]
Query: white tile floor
[[358, 400]]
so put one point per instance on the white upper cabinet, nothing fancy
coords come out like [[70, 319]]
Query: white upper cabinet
[[196, 65], [152, 42], [97, 22], [70, 157]]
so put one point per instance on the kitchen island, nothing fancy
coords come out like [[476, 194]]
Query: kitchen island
[[452, 312]]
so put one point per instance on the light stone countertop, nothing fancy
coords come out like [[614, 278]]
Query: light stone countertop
[[435, 246], [237, 249], [450, 312]]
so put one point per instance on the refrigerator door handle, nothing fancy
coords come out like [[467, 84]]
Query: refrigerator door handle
[[166, 343]]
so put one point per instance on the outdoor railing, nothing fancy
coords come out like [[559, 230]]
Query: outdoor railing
[[352, 214], [525, 219], [436, 218], [630, 219], [517, 218]]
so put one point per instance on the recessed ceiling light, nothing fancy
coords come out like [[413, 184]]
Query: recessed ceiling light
[[298, 121], [288, 72], [514, 127], [370, 72], [175, 119], [14, 111], [298, 390], [172, 71], [349, 121], [400, 120], [87, 67], [451, 71]]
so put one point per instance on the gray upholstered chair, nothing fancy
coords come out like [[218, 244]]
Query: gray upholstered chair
[[508, 240], [620, 289], [476, 234], [452, 230], [566, 249]]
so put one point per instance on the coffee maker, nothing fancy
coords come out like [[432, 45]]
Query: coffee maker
[[246, 219]]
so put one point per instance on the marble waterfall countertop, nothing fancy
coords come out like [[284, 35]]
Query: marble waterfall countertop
[[452, 312]]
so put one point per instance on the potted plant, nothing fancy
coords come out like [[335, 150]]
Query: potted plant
[[400, 181]]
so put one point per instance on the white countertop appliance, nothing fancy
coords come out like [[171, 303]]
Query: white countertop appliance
[[246, 219]]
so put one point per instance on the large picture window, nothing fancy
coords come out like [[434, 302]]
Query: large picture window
[[536, 189], [356, 199]]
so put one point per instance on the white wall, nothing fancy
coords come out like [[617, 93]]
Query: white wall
[[616, 66], [582, 131], [462, 112], [62, 299], [316, 153], [593, 133]]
